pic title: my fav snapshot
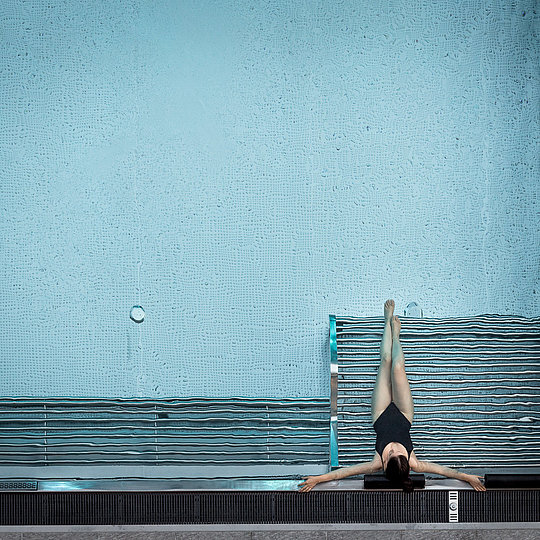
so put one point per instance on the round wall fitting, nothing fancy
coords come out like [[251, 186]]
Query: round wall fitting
[[137, 314], [414, 310]]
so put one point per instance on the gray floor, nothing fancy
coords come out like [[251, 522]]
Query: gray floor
[[464, 531]]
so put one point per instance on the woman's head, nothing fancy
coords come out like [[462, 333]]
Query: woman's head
[[397, 471]]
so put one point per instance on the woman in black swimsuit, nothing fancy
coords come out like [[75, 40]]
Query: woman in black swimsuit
[[392, 412]]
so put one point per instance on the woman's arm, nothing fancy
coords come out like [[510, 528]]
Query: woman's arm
[[429, 467], [363, 468]]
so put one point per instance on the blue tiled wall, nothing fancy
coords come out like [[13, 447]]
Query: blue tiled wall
[[241, 170]]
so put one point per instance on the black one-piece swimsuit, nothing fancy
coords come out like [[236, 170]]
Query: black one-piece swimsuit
[[392, 426]]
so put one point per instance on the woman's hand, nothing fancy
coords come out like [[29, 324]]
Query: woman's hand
[[475, 482], [309, 484]]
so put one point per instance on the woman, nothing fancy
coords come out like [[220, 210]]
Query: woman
[[392, 413]]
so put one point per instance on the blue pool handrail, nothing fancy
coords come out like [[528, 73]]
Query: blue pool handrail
[[334, 449]]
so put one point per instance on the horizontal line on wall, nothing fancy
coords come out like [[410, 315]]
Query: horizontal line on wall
[[156, 461], [133, 432], [428, 430], [442, 337], [475, 330], [422, 342], [488, 318], [517, 373], [205, 443], [350, 438], [445, 420], [312, 440], [55, 451], [478, 448], [164, 402], [442, 382], [439, 348], [479, 457], [418, 418], [446, 390], [459, 461], [457, 362], [203, 411], [429, 434], [157, 423], [363, 394], [362, 404]]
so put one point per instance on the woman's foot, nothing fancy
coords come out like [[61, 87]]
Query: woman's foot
[[396, 325], [388, 309]]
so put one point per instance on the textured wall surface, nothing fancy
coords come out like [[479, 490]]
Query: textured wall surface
[[242, 173]]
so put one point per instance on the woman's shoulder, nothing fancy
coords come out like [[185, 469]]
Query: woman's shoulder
[[414, 462], [376, 462]]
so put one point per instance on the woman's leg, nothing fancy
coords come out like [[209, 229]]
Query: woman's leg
[[382, 393], [401, 391]]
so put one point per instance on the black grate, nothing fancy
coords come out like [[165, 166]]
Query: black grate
[[129, 508], [18, 485], [503, 505]]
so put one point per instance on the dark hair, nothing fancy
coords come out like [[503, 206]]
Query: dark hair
[[397, 471]]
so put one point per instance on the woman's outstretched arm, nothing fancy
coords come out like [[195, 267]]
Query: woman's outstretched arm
[[429, 467], [363, 468]]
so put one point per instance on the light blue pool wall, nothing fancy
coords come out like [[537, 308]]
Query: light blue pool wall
[[241, 170]]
